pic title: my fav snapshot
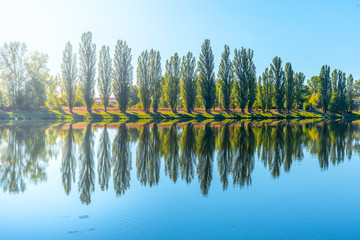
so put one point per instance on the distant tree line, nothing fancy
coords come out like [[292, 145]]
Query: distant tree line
[[187, 83]]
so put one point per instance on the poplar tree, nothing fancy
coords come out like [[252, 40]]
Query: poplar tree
[[225, 76], [289, 86], [143, 80], [324, 87], [266, 90], [277, 74], [299, 89], [206, 76], [241, 65], [104, 77], [69, 75], [188, 81], [251, 80], [172, 81], [155, 78], [342, 92], [122, 74], [87, 52], [350, 92]]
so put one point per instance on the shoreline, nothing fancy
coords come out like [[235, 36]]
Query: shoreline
[[135, 114]]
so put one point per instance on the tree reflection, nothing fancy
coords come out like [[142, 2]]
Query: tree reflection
[[171, 153], [148, 156], [24, 157], [224, 156], [243, 157], [121, 159], [188, 153], [104, 155], [87, 175], [68, 163], [206, 149]]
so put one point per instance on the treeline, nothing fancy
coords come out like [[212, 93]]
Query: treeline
[[186, 82]]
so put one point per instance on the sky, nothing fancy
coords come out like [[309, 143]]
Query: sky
[[307, 33]]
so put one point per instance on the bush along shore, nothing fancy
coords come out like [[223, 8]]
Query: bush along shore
[[98, 114]]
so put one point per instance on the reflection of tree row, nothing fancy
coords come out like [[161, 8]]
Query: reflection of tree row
[[148, 156], [25, 152], [87, 173], [121, 160], [24, 158]]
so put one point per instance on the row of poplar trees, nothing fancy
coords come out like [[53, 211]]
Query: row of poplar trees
[[185, 79], [113, 77]]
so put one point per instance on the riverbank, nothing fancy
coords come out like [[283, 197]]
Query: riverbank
[[98, 114]]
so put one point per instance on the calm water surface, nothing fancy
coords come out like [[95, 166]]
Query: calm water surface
[[269, 180]]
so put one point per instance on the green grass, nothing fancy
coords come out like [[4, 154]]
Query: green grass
[[48, 114]]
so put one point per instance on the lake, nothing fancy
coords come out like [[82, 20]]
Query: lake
[[185, 180]]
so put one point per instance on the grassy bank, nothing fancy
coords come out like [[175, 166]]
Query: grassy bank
[[80, 114]]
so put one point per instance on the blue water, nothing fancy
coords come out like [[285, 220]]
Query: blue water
[[307, 202]]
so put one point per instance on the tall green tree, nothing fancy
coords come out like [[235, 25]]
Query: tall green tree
[[350, 93], [225, 76], [206, 77], [155, 78], [241, 65], [87, 52], [104, 77], [289, 86], [123, 74], [277, 73], [38, 74], [265, 90], [69, 75], [143, 80], [172, 81], [314, 84], [251, 80], [13, 72], [299, 89], [188, 81], [324, 87]]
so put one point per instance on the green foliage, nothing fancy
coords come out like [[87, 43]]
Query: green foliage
[[265, 90], [299, 89], [206, 77], [350, 94], [289, 86], [314, 100], [123, 74], [13, 72], [314, 84], [35, 93], [52, 92], [188, 81], [277, 75], [324, 87], [241, 65], [104, 76], [133, 95], [143, 80], [172, 82], [251, 79], [155, 78], [87, 52], [225, 76], [69, 75], [338, 96]]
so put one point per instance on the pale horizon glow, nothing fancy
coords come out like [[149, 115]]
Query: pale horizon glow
[[308, 34]]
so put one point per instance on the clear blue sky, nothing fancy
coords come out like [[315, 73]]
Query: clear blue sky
[[307, 33]]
